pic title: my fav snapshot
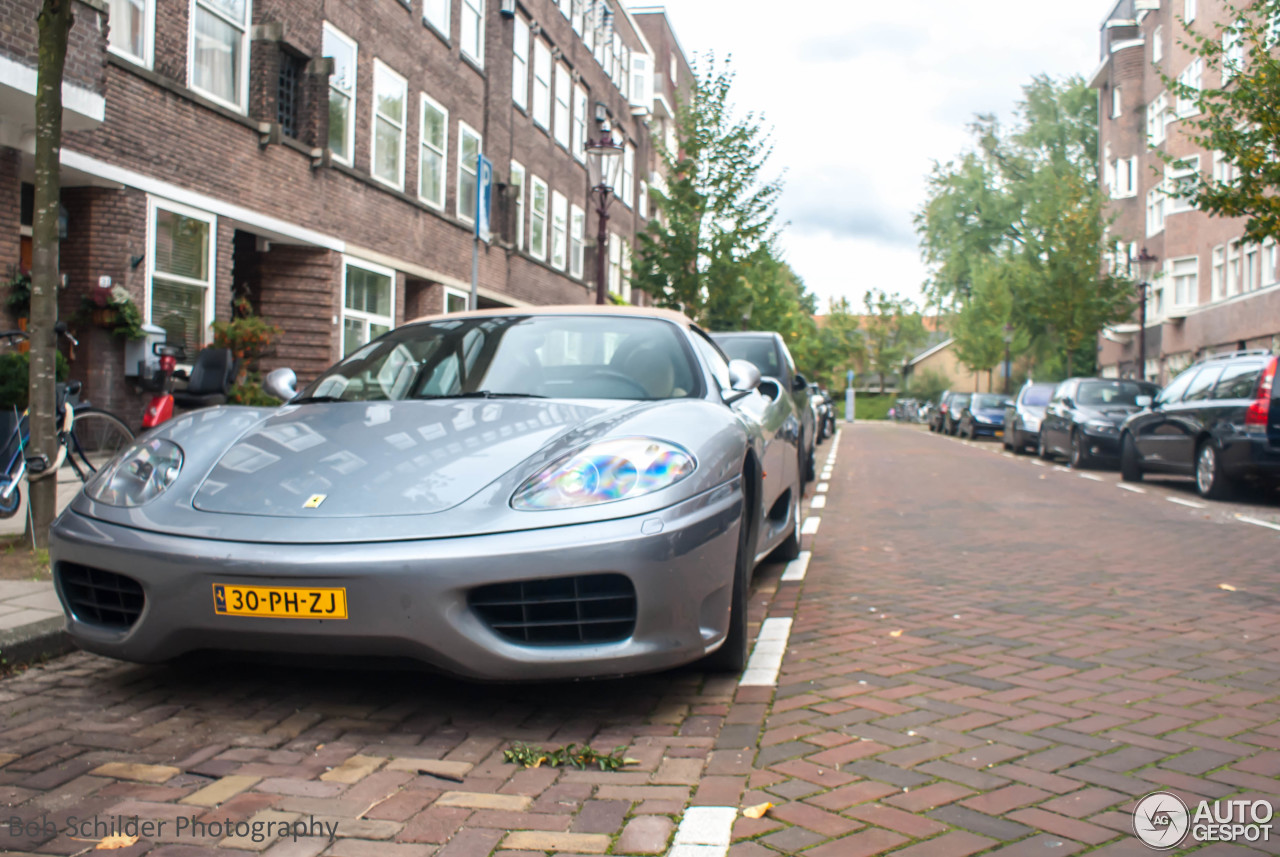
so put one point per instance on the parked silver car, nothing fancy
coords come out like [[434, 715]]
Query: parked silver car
[[508, 495]]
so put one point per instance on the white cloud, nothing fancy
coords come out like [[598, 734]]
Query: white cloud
[[864, 99]]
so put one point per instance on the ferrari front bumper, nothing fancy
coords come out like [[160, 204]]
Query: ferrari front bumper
[[410, 598]]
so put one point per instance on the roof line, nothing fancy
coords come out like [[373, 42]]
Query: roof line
[[934, 350]]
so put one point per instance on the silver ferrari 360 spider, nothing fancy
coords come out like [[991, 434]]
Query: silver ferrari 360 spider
[[505, 495]]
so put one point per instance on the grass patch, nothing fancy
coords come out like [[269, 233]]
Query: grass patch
[[19, 562], [872, 406]]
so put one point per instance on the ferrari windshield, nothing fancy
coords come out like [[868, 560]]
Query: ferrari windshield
[[549, 356]]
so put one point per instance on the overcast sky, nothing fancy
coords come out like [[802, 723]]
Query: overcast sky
[[863, 98]]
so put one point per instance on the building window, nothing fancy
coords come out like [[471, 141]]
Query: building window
[[342, 93], [642, 201], [577, 227], [559, 230], [563, 87], [1185, 274], [1116, 103], [1224, 172], [577, 15], [1157, 45], [133, 28], [615, 264], [538, 220], [520, 65], [626, 271], [287, 96], [180, 282], [1233, 268], [627, 181], [1218, 273], [1188, 10], [1192, 79], [542, 84], [368, 303], [518, 196], [1252, 267], [1182, 178], [473, 30], [455, 301], [434, 155], [1270, 258], [436, 13], [579, 142], [389, 95], [220, 50], [1122, 177], [1155, 210], [1157, 118], [469, 148]]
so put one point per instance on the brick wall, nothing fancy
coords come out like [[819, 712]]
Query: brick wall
[[10, 213], [298, 294], [86, 43]]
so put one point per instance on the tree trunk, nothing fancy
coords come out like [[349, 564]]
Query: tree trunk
[[54, 22], [990, 388]]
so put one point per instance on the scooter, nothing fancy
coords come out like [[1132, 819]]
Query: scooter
[[160, 408]]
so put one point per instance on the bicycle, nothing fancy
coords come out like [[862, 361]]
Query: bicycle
[[88, 438]]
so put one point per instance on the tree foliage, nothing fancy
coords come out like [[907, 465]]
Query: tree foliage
[[1240, 118], [892, 330], [1013, 232]]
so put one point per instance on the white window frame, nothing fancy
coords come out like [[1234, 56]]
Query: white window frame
[[381, 69], [561, 94], [155, 204], [541, 110], [1193, 77], [539, 252], [424, 102], [559, 231], [1174, 175], [1157, 44], [361, 315], [615, 264], [353, 94], [1218, 273], [1252, 267], [521, 201], [1188, 11], [577, 245], [148, 58], [1232, 52], [625, 270], [472, 11], [1157, 118], [463, 130], [454, 293], [1155, 210], [439, 21], [578, 143], [1234, 258], [1270, 260], [520, 64], [1191, 273], [642, 200], [242, 106], [1117, 102], [627, 179]]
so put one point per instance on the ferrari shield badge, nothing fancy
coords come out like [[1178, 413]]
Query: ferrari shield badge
[[314, 501]]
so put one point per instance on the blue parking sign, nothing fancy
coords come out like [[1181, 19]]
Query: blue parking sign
[[484, 197]]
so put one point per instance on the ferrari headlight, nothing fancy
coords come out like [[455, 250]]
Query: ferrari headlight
[[604, 472], [138, 475]]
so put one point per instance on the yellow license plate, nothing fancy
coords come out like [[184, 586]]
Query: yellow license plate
[[279, 602], [999, 434]]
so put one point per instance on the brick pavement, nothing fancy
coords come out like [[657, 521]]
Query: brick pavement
[[1059, 654]]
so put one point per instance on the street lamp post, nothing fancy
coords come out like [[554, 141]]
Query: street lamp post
[[604, 156], [1146, 269], [1008, 367]]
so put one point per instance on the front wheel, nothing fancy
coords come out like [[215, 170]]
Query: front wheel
[[790, 548], [1080, 458], [1130, 464], [1041, 449], [731, 657], [1211, 481], [94, 439]]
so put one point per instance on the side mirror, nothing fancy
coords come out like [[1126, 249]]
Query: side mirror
[[1067, 403], [743, 375], [281, 383], [771, 388], [1143, 401], [799, 383]]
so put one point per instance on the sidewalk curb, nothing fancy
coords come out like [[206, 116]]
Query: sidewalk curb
[[46, 638]]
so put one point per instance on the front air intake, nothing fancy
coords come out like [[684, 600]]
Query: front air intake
[[560, 611]]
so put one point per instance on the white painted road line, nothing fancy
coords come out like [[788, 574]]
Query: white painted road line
[[766, 658], [1091, 477], [1061, 469], [1257, 522], [797, 568], [819, 502], [1190, 504], [1134, 488], [822, 487], [810, 526], [1038, 463], [704, 831]]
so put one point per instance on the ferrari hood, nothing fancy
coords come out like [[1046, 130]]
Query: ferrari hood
[[347, 459]]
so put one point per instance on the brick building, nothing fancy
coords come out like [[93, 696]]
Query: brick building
[[1214, 292], [318, 158]]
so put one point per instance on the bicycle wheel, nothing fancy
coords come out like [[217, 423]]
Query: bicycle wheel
[[95, 437]]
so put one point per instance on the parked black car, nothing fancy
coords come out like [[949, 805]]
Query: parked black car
[[769, 353], [1022, 417], [955, 410], [1218, 421], [983, 416], [824, 412], [938, 413], [1083, 418]]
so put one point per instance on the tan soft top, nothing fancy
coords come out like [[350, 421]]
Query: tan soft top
[[566, 309]]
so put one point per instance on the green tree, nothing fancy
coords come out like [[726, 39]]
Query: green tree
[[892, 329], [837, 347], [53, 28], [718, 208], [979, 327], [1240, 118]]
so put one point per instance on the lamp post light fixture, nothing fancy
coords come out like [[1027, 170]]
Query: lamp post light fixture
[[1008, 366], [604, 157], [1146, 264]]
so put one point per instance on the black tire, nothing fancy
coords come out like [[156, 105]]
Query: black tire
[[1080, 458], [95, 438], [1211, 480], [732, 655], [1041, 449], [790, 548], [810, 469], [1018, 443], [10, 508], [1130, 461]]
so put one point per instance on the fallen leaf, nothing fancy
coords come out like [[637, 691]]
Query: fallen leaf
[[1227, 586], [897, 633], [114, 842], [758, 810]]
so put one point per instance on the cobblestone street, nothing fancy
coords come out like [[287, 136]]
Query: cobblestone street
[[983, 655]]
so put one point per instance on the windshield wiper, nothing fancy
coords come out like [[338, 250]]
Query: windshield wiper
[[485, 394], [310, 399]]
